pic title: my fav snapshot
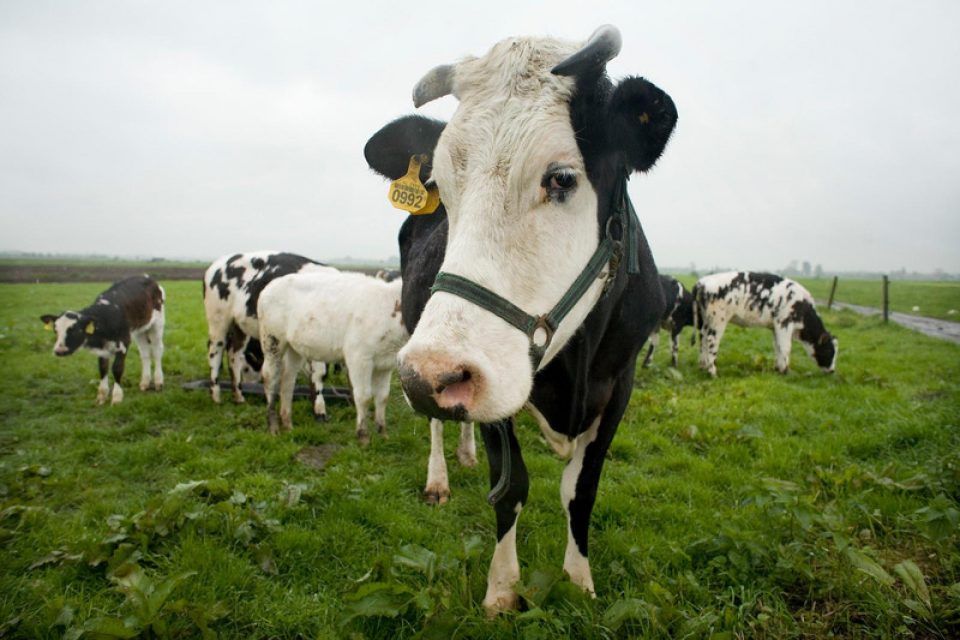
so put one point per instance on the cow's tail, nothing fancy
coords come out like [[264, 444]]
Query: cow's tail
[[696, 315]]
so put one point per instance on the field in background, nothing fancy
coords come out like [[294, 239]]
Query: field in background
[[754, 505]]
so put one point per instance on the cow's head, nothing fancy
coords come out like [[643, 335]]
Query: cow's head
[[72, 331], [526, 168], [825, 352]]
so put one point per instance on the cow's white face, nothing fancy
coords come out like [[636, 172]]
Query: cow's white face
[[522, 223], [71, 331]]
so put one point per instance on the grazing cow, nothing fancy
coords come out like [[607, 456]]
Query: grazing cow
[[231, 288], [760, 300], [679, 314], [130, 309], [331, 317], [546, 289]]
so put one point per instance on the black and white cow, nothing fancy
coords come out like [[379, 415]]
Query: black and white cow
[[231, 288], [679, 314], [760, 300], [531, 170], [132, 309]]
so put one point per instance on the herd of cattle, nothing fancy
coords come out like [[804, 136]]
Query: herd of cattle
[[534, 216]]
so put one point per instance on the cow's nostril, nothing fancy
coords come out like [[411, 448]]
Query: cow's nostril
[[445, 380]]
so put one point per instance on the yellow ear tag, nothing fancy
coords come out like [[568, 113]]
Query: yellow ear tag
[[409, 194], [89, 329], [48, 326]]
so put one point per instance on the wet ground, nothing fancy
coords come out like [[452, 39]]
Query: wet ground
[[929, 326]]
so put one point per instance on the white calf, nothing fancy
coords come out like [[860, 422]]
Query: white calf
[[331, 317]]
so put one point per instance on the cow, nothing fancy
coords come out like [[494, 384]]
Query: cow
[[231, 288], [753, 299], [331, 317], [132, 309], [543, 286], [679, 314]]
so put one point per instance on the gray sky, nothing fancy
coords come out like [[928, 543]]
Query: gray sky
[[826, 131]]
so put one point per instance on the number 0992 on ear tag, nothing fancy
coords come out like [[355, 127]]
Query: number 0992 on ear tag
[[409, 194]]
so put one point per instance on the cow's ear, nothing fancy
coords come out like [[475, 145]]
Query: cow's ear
[[825, 338], [48, 321], [641, 120], [388, 151], [89, 328]]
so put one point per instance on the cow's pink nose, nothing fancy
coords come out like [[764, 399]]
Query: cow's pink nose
[[438, 388]]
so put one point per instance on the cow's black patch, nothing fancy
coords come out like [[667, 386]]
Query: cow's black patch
[[217, 282], [274, 266]]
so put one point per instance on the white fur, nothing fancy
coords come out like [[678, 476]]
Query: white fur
[[575, 563], [332, 316], [504, 572], [512, 123], [222, 313]]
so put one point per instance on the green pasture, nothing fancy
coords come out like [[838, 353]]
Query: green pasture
[[751, 506]]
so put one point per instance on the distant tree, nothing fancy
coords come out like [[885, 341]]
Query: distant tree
[[791, 268], [806, 269], [818, 272], [693, 268]]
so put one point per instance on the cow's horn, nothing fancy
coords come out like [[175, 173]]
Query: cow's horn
[[437, 83], [603, 46]]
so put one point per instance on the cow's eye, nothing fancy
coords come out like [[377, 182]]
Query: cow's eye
[[559, 183]]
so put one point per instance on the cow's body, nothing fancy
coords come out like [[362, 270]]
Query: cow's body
[[231, 289], [331, 317], [528, 171], [678, 314], [752, 299], [130, 310]]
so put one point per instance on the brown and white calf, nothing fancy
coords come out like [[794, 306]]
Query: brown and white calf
[[679, 314], [331, 317], [752, 299], [132, 309], [231, 288]]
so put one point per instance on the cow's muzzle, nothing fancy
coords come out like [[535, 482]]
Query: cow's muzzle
[[439, 390]]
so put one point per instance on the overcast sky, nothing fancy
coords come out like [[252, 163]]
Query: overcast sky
[[825, 131]]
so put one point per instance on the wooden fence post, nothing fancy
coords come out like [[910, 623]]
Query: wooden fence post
[[886, 299], [833, 290]]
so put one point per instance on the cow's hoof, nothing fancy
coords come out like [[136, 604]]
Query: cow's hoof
[[436, 496], [320, 417], [101, 399], [495, 604], [158, 386], [363, 438], [144, 386], [239, 400], [215, 392], [382, 430]]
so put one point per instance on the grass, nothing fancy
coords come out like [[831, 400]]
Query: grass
[[755, 505]]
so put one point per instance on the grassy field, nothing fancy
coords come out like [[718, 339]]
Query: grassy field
[[755, 505]]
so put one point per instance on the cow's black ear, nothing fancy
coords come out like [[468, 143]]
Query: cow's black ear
[[642, 118], [388, 151], [48, 320]]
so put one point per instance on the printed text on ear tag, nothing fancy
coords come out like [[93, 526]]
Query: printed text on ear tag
[[409, 194]]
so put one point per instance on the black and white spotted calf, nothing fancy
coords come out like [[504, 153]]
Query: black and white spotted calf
[[679, 314], [760, 300], [231, 289], [132, 309]]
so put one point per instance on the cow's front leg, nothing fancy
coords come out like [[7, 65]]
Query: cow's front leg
[[782, 337], [118, 363], [675, 346], [437, 490], [509, 484], [104, 389], [654, 341], [467, 449], [317, 372], [578, 487]]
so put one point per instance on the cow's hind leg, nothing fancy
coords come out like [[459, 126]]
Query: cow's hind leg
[[292, 361], [360, 371], [143, 346], [156, 343], [216, 343], [437, 490], [503, 452], [675, 347], [270, 372], [711, 333], [381, 393], [578, 487]]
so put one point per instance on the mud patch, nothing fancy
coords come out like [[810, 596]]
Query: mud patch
[[317, 457]]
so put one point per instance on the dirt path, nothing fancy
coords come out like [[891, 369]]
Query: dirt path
[[929, 326]]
